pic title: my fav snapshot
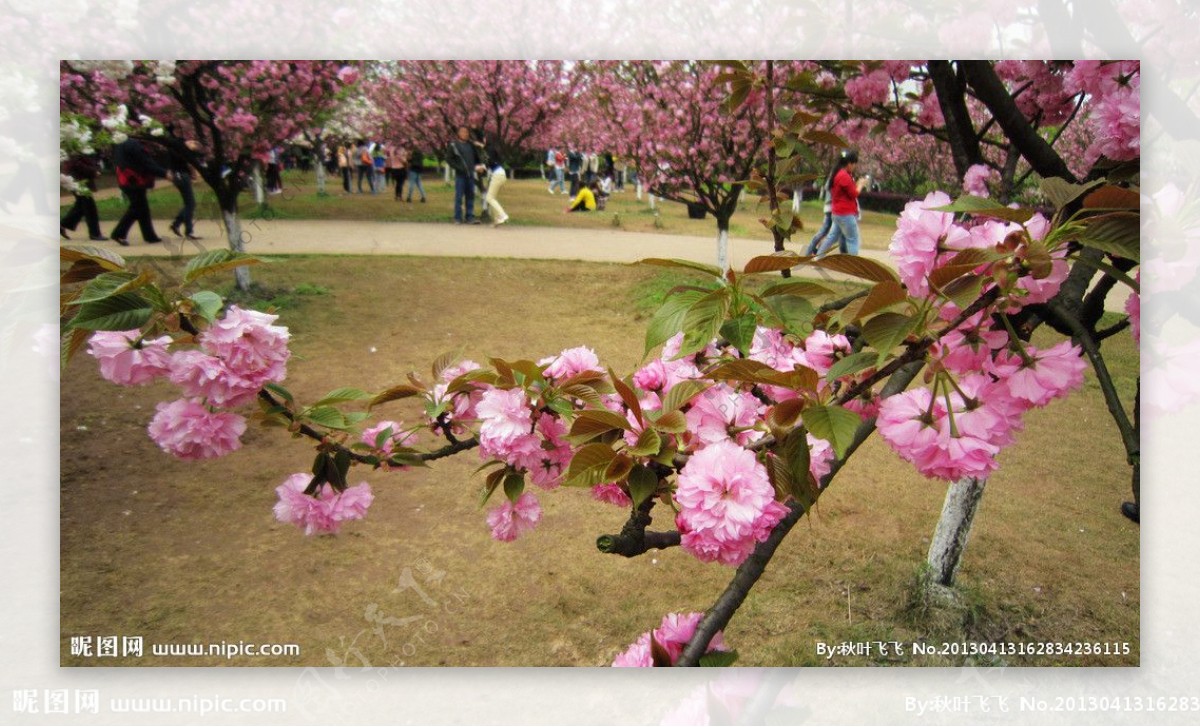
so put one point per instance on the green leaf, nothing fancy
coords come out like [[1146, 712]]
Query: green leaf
[[642, 484], [71, 342], [207, 304], [794, 314], [280, 391], [668, 319], [985, 207], [121, 312], [106, 259], [591, 423], [886, 331], [648, 443], [672, 422], [682, 393], [1118, 235], [798, 288], [514, 485], [337, 396], [490, 483], [682, 264], [1060, 192], [832, 423], [326, 416], [718, 658], [703, 320], [215, 261], [589, 464], [852, 364], [618, 469], [105, 285], [740, 331]]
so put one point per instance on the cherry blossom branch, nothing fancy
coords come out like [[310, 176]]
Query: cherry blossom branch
[[748, 573], [454, 447]]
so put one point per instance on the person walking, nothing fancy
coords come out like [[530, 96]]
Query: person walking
[[84, 170], [496, 179], [343, 165], [827, 223], [136, 171], [181, 176], [574, 164], [415, 163], [366, 165], [555, 160], [463, 158], [843, 192], [397, 168]]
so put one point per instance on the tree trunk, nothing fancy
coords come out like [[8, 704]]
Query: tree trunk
[[953, 528], [257, 182], [446, 172], [319, 162], [723, 245], [233, 232], [638, 188]]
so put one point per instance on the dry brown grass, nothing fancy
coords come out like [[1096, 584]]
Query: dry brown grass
[[180, 552]]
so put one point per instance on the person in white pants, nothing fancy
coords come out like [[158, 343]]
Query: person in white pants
[[496, 180]]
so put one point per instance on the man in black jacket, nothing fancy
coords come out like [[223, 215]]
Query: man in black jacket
[[136, 171], [462, 157]]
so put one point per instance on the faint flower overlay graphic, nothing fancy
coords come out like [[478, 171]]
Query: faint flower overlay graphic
[[1162, 33]]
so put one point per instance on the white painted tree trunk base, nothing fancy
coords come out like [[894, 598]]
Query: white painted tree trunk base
[[953, 529], [233, 233], [723, 250]]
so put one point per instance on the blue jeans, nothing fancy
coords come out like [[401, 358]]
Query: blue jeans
[[464, 191], [414, 182], [825, 227], [558, 180], [845, 233]]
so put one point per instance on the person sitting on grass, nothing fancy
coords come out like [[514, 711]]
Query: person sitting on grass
[[585, 201]]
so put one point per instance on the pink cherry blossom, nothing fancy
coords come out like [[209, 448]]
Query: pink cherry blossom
[[726, 503], [923, 435], [325, 512], [512, 519], [506, 424], [920, 235], [573, 361], [200, 375], [722, 408], [611, 493], [1133, 307], [821, 350], [190, 431], [673, 634], [1052, 373], [975, 181], [125, 361], [250, 346], [396, 437]]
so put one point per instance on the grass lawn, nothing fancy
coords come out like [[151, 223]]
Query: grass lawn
[[190, 552], [526, 201]]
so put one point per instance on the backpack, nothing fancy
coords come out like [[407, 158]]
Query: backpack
[[365, 158]]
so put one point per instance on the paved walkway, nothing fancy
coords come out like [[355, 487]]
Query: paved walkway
[[272, 237]]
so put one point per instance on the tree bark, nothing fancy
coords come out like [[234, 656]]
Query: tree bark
[[964, 144], [953, 528], [989, 89]]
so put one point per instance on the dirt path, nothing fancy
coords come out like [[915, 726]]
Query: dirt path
[[310, 237]]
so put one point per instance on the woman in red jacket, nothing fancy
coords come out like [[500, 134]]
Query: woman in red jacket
[[843, 191]]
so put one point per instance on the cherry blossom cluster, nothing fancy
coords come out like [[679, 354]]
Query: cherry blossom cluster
[[323, 512], [672, 635], [239, 354], [985, 379]]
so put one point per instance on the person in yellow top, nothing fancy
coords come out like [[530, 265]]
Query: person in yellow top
[[585, 201]]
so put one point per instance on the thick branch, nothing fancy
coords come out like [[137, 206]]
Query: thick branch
[[748, 573], [964, 143], [990, 90]]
